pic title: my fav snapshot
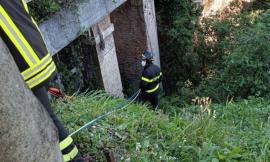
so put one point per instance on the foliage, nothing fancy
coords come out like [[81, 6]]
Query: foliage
[[41, 9], [232, 52], [177, 21], [245, 68], [69, 63], [77, 69], [232, 132]]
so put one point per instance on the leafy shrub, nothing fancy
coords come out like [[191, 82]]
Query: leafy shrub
[[245, 69], [177, 21]]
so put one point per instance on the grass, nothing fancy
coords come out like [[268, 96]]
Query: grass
[[237, 131]]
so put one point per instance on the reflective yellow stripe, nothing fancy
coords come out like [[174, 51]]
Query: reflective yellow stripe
[[25, 6], [41, 77], [71, 154], [65, 143], [27, 10], [14, 37], [17, 38], [146, 79], [37, 68], [36, 25], [151, 80], [33, 20], [152, 90], [37, 28]]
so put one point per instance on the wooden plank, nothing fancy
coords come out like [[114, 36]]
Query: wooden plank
[[105, 33], [106, 53]]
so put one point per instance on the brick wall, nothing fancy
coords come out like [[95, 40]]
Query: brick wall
[[131, 41]]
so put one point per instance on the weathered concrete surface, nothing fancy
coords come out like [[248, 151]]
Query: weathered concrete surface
[[67, 24], [108, 63], [151, 29], [27, 133], [135, 32]]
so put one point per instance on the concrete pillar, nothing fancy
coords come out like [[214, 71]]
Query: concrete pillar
[[151, 29], [106, 53], [135, 32]]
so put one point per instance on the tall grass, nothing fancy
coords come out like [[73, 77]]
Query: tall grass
[[231, 132]]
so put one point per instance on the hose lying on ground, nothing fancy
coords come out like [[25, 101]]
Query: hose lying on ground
[[118, 107]]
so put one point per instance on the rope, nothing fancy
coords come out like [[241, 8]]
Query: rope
[[119, 107]]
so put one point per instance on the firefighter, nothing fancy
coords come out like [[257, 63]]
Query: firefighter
[[150, 80], [23, 38]]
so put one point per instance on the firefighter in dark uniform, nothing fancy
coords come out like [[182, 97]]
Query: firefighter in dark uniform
[[150, 80], [22, 36]]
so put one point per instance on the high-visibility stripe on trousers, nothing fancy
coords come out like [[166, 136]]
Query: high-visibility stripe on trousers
[[66, 144]]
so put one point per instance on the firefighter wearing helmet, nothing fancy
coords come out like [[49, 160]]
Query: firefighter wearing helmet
[[150, 79]]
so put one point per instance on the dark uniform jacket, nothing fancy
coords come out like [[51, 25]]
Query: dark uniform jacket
[[151, 78], [22, 36]]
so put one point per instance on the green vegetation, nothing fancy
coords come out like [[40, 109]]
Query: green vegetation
[[223, 57], [236, 131], [77, 69], [227, 67], [41, 10], [244, 70], [177, 22], [70, 66]]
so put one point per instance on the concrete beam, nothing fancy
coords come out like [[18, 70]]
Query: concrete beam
[[71, 21]]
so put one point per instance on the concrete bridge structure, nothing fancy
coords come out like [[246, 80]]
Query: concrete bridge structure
[[120, 30]]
